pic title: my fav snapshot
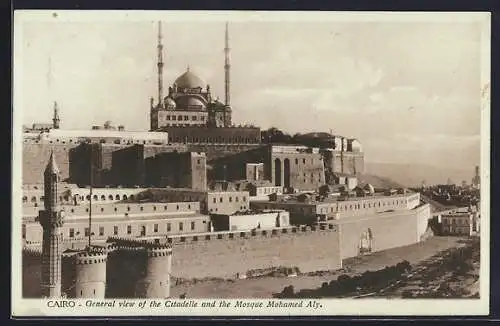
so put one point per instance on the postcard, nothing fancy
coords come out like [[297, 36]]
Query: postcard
[[250, 163]]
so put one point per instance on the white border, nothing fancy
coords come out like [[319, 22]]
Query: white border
[[332, 307]]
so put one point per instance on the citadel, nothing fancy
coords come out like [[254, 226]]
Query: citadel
[[110, 213]]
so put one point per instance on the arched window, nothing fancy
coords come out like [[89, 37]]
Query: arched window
[[110, 197], [131, 197], [33, 199], [95, 197], [117, 197], [103, 197], [25, 199], [124, 197]]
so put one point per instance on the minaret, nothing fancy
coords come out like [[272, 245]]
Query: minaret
[[227, 68], [52, 220], [55, 119], [160, 66]]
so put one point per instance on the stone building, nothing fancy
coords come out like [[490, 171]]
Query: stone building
[[292, 167], [250, 220], [177, 170]]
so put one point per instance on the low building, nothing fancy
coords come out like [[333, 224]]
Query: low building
[[131, 220], [211, 201], [250, 220], [310, 209], [459, 224]]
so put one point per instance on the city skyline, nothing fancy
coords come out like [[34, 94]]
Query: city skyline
[[408, 94]]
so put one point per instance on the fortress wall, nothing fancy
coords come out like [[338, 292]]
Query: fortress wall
[[31, 274], [388, 230], [225, 257], [36, 156]]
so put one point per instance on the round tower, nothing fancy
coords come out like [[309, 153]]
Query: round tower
[[154, 279], [90, 273]]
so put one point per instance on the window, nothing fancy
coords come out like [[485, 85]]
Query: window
[[174, 117], [237, 199], [296, 161], [220, 199], [169, 227], [186, 118], [179, 117], [244, 198], [193, 118], [155, 228], [230, 199], [143, 230], [193, 225], [304, 161], [168, 117], [215, 200], [101, 231], [129, 229], [202, 118], [181, 226], [115, 230], [87, 232], [24, 231]]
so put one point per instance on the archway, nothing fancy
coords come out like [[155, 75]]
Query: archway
[[277, 172], [286, 173]]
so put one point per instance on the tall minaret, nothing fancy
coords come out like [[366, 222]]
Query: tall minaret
[[52, 220], [55, 119], [227, 68], [160, 66]]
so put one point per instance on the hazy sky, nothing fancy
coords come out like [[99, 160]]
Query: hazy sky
[[409, 91]]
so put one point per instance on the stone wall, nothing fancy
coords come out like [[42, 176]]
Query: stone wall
[[36, 156], [225, 256], [387, 230]]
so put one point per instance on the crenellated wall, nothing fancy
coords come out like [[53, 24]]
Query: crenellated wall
[[226, 254]]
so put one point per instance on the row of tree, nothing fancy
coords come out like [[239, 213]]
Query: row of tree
[[369, 281]]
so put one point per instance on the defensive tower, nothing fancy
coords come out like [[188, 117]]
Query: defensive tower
[[90, 273]]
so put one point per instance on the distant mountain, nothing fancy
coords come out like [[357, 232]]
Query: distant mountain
[[378, 181], [410, 175]]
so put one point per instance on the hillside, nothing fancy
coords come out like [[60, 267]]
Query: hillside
[[413, 174], [378, 181]]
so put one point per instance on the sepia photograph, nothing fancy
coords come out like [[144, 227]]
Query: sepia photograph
[[264, 163]]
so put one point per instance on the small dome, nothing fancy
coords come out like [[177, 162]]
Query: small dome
[[189, 80], [170, 103]]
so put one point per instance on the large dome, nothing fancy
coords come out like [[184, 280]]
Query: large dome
[[188, 102], [189, 80]]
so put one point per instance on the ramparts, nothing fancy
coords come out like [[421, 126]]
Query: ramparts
[[228, 254]]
